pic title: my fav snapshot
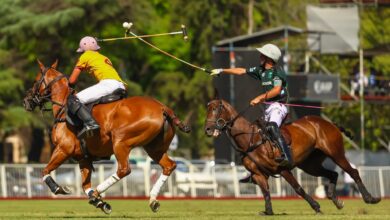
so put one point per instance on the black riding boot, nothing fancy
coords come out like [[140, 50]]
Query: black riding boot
[[90, 126], [285, 159]]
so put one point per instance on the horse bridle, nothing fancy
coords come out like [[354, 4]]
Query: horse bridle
[[220, 123], [38, 98]]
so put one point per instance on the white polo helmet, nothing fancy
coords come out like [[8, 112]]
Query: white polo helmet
[[270, 51], [88, 43]]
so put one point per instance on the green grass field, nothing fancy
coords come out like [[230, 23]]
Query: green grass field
[[190, 209]]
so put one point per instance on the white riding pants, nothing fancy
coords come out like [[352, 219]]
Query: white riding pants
[[104, 87], [276, 112]]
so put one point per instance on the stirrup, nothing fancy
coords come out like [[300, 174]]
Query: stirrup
[[88, 131], [283, 161]]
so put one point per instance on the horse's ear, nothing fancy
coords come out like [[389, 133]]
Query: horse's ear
[[55, 64], [216, 94], [41, 65]]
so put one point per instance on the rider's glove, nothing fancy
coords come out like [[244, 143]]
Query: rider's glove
[[216, 72]]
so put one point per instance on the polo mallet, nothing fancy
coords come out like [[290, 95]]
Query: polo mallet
[[128, 26]]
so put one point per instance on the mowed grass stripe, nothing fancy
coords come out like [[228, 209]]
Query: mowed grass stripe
[[190, 209]]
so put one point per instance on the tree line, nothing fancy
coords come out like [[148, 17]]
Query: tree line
[[50, 30]]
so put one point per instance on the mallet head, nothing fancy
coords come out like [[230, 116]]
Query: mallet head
[[127, 25], [184, 31]]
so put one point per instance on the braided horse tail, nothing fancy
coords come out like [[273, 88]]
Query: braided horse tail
[[170, 115]]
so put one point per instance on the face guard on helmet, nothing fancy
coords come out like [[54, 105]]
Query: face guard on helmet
[[271, 51], [88, 43]]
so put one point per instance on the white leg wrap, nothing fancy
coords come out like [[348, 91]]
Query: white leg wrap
[[88, 190], [102, 187], [157, 186], [45, 177]]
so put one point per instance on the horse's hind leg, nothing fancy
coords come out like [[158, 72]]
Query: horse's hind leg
[[313, 166], [346, 166], [157, 151], [299, 190], [168, 167], [57, 158]]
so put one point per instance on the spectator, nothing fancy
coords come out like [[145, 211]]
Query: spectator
[[356, 81]]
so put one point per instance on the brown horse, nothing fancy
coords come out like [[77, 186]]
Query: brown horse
[[124, 124], [312, 140]]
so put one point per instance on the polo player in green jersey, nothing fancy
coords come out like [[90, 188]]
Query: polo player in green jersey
[[273, 79]]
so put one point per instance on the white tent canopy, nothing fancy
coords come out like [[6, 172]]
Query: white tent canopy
[[333, 30]]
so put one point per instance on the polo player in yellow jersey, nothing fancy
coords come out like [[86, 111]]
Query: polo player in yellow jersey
[[108, 79]]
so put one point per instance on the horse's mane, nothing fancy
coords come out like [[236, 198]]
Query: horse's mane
[[260, 121]]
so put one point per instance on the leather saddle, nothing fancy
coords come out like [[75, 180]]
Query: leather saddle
[[114, 96]]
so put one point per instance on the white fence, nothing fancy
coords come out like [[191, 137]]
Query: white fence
[[207, 180]]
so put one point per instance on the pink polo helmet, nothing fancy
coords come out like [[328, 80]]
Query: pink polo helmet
[[88, 43]]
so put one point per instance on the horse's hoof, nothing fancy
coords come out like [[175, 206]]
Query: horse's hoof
[[319, 212], [266, 213], [374, 200], [63, 190], [154, 205], [371, 200], [339, 204], [106, 208], [97, 202]]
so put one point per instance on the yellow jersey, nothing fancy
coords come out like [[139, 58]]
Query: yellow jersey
[[98, 65]]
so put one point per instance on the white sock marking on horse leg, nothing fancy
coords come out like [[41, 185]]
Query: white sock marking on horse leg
[[157, 186], [102, 187]]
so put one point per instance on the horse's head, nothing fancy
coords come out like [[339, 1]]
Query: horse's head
[[218, 117], [41, 90]]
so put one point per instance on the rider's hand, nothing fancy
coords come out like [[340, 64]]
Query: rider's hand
[[216, 72], [257, 100]]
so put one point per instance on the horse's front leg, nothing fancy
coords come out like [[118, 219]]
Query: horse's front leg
[[57, 158], [86, 172], [262, 181], [94, 199], [299, 190]]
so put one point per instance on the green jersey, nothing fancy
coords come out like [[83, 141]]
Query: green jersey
[[269, 79]]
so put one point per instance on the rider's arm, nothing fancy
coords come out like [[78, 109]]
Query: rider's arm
[[75, 74], [235, 71], [273, 92], [268, 95]]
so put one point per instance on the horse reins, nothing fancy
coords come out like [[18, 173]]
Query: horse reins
[[39, 99]]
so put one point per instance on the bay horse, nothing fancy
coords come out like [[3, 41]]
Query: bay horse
[[312, 140], [124, 125]]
